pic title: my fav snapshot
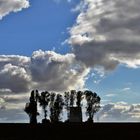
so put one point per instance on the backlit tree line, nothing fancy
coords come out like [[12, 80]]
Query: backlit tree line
[[53, 104]]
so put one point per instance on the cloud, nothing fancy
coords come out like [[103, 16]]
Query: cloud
[[14, 74], [110, 95], [13, 116], [8, 6], [126, 89], [45, 70], [5, 91], [12, 108], [17, 60], [57, 72], [106, 33], [14, 78], [15, 98], [119, 112]]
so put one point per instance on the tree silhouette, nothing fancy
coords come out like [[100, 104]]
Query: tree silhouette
[[93, 104], [31, 108], [44, 101], [55, 102], [67, 103], [52, 111], [58, 106], [79, 98], [72, 97]]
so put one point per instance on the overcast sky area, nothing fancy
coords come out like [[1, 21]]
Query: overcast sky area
[[60, 45]]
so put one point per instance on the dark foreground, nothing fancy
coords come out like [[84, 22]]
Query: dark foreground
[[74, 131]]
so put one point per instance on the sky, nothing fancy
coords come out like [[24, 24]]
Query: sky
[[82, 44]]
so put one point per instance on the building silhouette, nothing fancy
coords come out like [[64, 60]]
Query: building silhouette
[[75, 114]]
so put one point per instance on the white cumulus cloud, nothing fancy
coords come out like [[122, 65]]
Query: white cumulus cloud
[[57, 72], [45, 70], [14, 78]]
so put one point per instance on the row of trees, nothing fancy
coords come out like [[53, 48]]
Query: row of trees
[[57, 102]]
